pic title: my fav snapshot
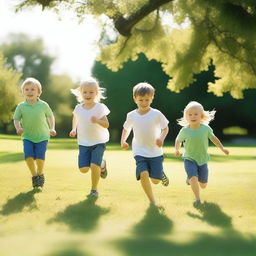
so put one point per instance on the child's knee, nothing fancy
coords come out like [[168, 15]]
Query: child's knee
[[155, 181], [193, 178], [144, 175], [84, 169], [203, 185]]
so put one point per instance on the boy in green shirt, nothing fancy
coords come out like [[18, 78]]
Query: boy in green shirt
[[195, 135], [34, 121]]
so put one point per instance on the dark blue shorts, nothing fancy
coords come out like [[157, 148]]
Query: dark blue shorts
[[192, 169], [154, 166], [91, 155], [35, 150]]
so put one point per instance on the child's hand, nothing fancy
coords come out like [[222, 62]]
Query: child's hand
[[124, 145], [159, 142], [53, 132], [177, 153], [226, 152], [72, 133], [94, 119], [19, 131]]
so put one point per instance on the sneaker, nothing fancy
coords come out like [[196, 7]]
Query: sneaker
[[165, 180], [41, 180], [35, 181], [93, 194], [104, 172], [197, 203]]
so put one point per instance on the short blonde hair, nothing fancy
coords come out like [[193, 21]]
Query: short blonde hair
[[31, 80], [142, 89], [93, 82], [207, 116]]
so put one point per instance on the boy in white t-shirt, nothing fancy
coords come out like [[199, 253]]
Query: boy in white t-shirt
[[150, 128]]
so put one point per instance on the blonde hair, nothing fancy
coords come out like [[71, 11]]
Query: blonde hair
[[31, 80], [142, 89], [93, 82], [207, 116]]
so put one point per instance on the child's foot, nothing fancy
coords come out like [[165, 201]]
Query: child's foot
[[35, 181], [93, 194], [165, 180], [197, 203], [41, 180], [103, 167]]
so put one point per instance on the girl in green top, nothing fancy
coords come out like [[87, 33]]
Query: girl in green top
[[34, 121], [195, 135]]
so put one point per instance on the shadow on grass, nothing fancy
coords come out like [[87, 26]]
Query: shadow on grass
[[83, 216], [213, 215], [151, 242], [20, 202], [7, 157]]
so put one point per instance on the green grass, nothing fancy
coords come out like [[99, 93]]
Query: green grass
[[60, 221]]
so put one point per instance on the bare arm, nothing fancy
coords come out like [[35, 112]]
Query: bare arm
[[160, 140], [74, 126], [125, 135], [101, 121], [51, 121], [177, 148], [218, 144], [18, 127]]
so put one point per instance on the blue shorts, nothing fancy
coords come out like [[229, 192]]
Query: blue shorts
[[34, 150], [90, 155], [154, 166], [192, 169]]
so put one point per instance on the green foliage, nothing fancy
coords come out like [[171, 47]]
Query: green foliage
[[221, 32], [9, 91]]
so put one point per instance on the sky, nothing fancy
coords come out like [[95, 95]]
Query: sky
[[72, 44]]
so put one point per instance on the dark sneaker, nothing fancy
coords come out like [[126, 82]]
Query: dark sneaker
[[197, 203], [103, 167], [165, 180], [35, 180], [41, 180]]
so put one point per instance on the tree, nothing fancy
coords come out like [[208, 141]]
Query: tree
[[186, 36], [9, 92]]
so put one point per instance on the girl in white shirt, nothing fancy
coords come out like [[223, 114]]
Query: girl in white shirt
[[90, 124]]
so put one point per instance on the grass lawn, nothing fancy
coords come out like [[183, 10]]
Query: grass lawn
[[61, 221]]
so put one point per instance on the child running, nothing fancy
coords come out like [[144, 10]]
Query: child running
[[195, 135], [34, 121], [150, 128], [90, 124]]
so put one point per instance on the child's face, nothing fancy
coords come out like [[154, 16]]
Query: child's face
[[31, 92], [194, 116], [143, 102], [89, 93]]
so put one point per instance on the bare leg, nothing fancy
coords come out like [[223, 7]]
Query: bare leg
[[155, 181], [31, 165], [84, 169], [203, 185], [40, 166], [95, 175], [195, 187], [146, 185]]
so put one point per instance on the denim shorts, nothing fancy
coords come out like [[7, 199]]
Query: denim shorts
[[154, 166], [34, 150], [91, 155], [193, 169]]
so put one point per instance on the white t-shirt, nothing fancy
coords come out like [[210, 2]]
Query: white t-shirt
[[146, 129], [88, 133]]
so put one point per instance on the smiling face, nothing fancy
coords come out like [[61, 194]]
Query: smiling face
[[143, 102], [31, 92], [194, 116], [89, 93]]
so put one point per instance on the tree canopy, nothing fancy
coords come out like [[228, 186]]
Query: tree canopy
[[186, 36]]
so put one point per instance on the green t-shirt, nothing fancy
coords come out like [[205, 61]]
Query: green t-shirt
[[196, 143], [33, 118]]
